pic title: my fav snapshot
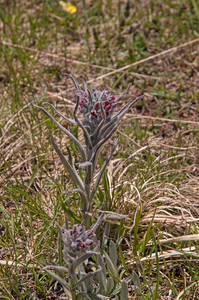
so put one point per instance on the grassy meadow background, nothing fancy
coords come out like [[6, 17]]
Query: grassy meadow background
[[154, 173]]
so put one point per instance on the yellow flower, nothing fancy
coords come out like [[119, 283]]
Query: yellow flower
[[68, 7]]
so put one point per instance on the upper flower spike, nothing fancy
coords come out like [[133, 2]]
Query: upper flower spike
[[89, 104]]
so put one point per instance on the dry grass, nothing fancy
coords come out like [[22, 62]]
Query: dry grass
[[155, 171]]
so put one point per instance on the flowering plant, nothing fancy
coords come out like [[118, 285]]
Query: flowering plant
[[98, 125]]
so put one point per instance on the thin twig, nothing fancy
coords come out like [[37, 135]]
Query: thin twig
[[77, 61], [146, 59], [161, 119], [155, 144], [172, 147]]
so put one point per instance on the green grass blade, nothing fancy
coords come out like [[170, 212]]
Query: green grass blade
[[155, 295]]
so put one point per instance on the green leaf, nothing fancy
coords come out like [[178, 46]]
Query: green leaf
[[111, 265], [106, 235], [110, 284], [148, 236], [150, 293], [42, 260], [121, 229], [122, 257], [136, 282], [33, 175], [195, 5], [136, 227], [90, 274], [113, 253], [101, 275], [124, 291], [155, 295]]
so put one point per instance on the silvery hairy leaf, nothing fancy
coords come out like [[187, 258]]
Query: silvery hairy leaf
[[88, 275], [102, 170], [117, 117], [102, 275], [60, 233], [125, 92], [116, 216], [83, 295], [60, 114], [89, 296], [113, 253], [110, 265], [82, 195], [98, 297], [110, 284], [106, 235], [62, 282], [95, 226], [75, 191], [84, 164], [136, 282], [124, 291], [122, 112], [86, 134], [60, 268], [76, 179], [98, 146], [70, 135], [81, 271], [81, 259], [74, 81], [119, 286]]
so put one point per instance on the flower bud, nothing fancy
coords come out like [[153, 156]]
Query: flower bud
[[90, 233], [89, 243], [83, 246]]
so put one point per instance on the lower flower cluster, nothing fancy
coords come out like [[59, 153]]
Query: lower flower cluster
[[77, 239]]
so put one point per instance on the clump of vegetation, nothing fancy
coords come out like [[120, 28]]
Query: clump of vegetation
[[98, 125]]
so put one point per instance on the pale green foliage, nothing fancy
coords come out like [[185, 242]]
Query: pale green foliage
[[98, 125], [76, 282]]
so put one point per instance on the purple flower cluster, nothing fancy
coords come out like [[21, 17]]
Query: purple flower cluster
[[77, 239], [90, 104]]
